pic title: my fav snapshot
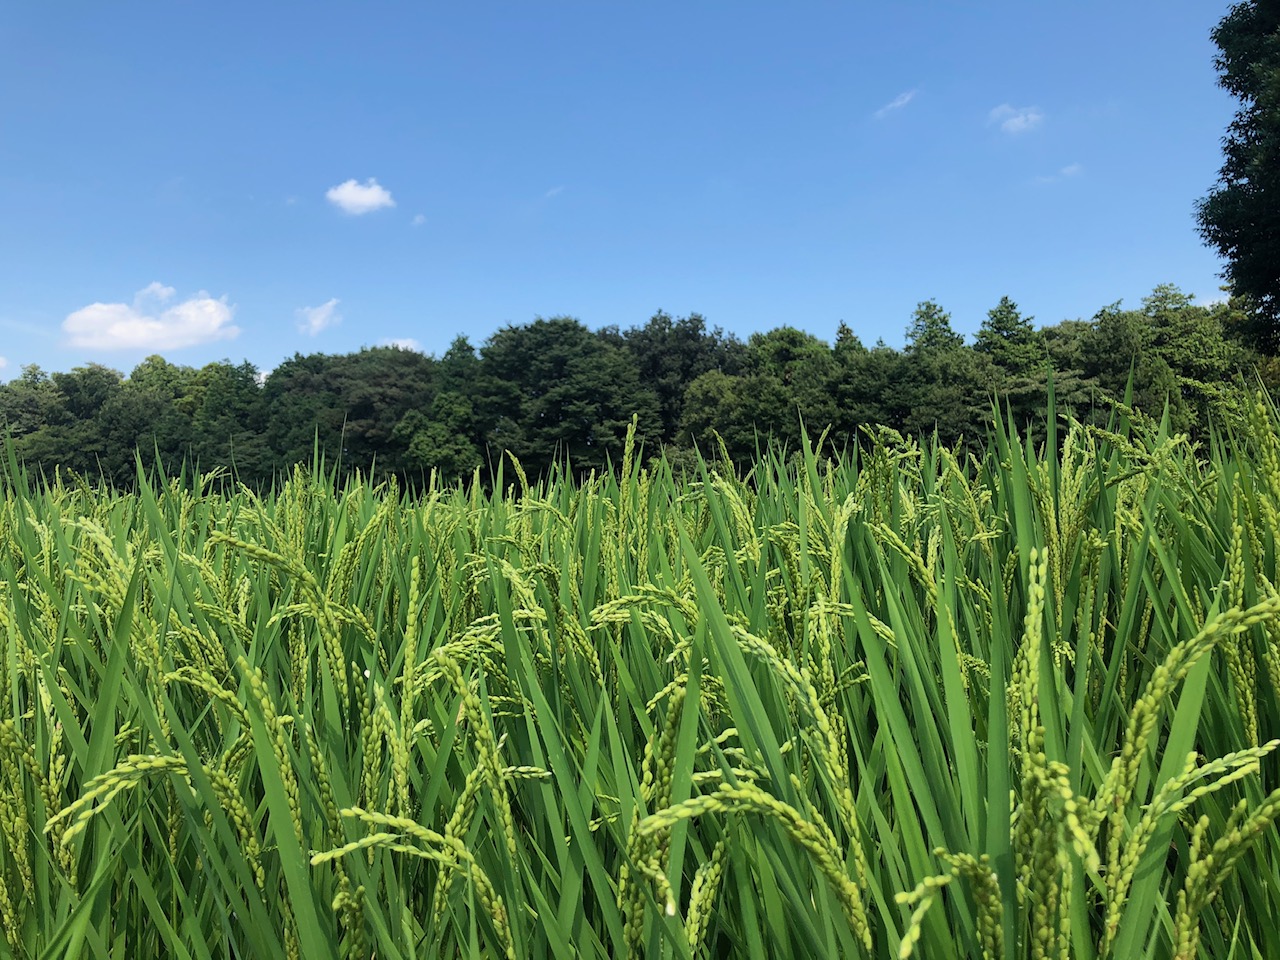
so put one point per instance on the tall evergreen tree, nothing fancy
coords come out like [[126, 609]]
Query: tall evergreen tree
[[943, 385], [1011, 340], [1017, 350], [931, 330]]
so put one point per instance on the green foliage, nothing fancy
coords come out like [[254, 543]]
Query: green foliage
[[351, 404], [720, 404], [1240, 217], [1020, 356], [554, 391], [899, 703], [930, 330], [865, 391], [440, 439], [1175, 352], [945, 385], [669, 354], [1012, 341], [564, 393]]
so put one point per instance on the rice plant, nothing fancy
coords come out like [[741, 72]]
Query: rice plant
[[905, 701]]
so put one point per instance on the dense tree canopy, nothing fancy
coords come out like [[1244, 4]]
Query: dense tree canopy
[[1241, 215], [554, 390], [564, 392], [1019, 357]]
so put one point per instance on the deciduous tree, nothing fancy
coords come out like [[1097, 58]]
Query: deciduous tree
[[1240, 217]]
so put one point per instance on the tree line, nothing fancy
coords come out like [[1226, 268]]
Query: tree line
[[554, 389]]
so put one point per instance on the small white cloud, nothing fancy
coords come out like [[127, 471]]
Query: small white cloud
[[402, 343], [260, 378], [3, 363], [147, 324], [311, 320], [1066, 173], [359, 198], [155, 290], [897, 103], [554, 192], [1015, 120], [419, 220]]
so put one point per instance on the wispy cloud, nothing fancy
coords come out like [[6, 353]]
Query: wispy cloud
[[554, 192], [419, 220], [311, 320], [359, 198], [149, 324], [402, 343], [897, 103], [3, 363], [1015, 120], [31, 329], [1065, 173]]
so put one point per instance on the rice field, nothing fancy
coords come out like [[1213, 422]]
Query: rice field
[[901, 702]]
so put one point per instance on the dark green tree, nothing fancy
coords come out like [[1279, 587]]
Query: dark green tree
[[930, 330], [1017, 349], [1011, 340], [153, 413], [669, 354], [448, 436], [1171, 351], [724, 404], [86, 441], [788, 379], [229, 421], [555, 390], [1190, 337], [459, 368], [791, 379], [352, 403], [866, 391], [1240, 217], [440, 439], [848, 343], [943, 385], [1068, 346], [30, 402]]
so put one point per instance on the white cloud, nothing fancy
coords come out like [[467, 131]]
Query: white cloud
[[154, 291], [897, 103], [402, 343], [359, 198], [148, 324], [419, 220], [3, 363], [1016, 120], [554, 192], [311, 320], [1066, 173]]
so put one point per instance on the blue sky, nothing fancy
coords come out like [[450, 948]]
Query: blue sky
[[249, 180]]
